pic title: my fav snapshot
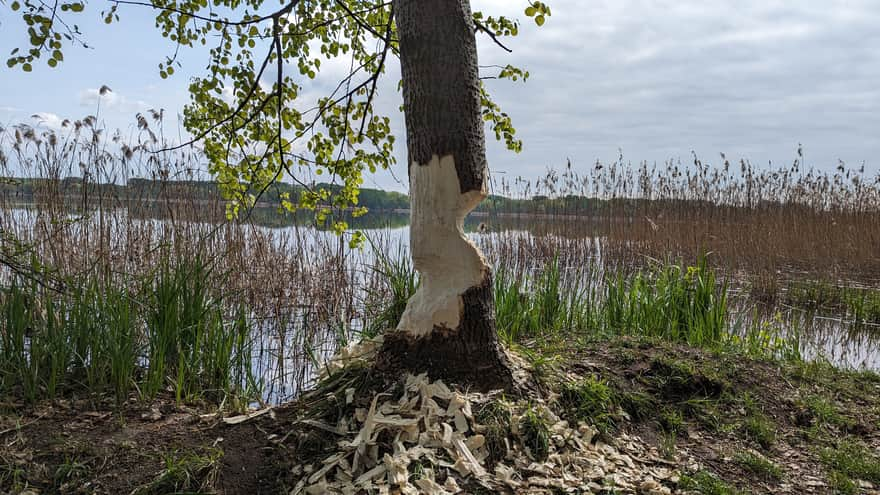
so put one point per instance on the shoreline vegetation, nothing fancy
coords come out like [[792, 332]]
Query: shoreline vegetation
[[714, 320]]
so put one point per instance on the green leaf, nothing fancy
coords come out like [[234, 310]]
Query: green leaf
[[26, 67], [15, 6], [52, 62], [77, 7], [539, 20], [232, 65], [10, 62]]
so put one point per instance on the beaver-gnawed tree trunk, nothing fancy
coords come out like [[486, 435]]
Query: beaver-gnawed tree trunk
[[448, 328]]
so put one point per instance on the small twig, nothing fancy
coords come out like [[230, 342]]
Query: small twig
[[492, 34], [23, 425]]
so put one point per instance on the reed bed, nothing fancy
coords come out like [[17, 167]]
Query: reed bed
[[238, 302], [758, 220], [155, 291]]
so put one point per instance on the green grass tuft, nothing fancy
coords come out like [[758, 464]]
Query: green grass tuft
[[851, 460], [185, 473], [759, 465], [760, 429], [706, 483], [590, 400], [497, 417], [535, 433]]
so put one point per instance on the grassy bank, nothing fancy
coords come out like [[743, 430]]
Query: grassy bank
[[179, 327], [727, 422], [136, 370]]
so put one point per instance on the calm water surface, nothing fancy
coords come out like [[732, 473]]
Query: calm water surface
[[287, 351]]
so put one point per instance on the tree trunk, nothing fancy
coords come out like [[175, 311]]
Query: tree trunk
[[448, 327]]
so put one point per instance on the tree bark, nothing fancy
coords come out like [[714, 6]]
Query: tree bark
[[448, 327]]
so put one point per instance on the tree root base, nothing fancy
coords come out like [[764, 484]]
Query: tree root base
[[446, 358], [469, 355]]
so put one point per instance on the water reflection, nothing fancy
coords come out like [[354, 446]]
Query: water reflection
[[330, 293]]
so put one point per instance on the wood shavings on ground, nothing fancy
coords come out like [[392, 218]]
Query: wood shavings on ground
[[362, 352], [426, 439]]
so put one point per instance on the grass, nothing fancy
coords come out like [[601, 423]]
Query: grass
[[534, 432], [671, 302], [13, 474], [158, 277], [497, 417], [185, 472], [682, 380], [172, 328], [161, 293], [707, 483], [541, 305], [399, 281], [760, 429], [759, 465], [843, 484], [71, 469], [824, 412], [638, 405], [860, 304], [590, 400], [849, 461], [672, 421], [760, 219], [101, 340]]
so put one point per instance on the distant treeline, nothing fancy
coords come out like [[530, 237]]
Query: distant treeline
[[28, 190], [74, 189], [141, 191]]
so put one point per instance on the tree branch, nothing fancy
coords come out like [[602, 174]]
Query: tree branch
[[492, 34]]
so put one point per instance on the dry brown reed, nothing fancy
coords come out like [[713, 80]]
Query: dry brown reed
[[763, 223], [307, 292], [303, 287]]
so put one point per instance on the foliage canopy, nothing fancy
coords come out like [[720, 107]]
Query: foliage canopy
[[246, 109]]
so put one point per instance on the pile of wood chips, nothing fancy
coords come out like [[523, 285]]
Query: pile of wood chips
[[426, 440]]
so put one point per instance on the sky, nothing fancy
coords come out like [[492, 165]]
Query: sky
[[655, 80]]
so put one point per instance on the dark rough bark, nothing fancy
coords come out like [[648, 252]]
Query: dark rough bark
[[441, 93], [470, 354], [441, 86]]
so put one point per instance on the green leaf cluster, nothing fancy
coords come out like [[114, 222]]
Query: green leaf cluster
[[253, 109], [539, 11]]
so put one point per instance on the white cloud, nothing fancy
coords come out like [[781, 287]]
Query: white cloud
[[657, 78], [661, 78], [48, 120], [111, 101], [228, 94], [766, 34]]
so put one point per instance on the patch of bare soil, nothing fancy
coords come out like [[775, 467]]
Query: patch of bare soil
[[70, 447]]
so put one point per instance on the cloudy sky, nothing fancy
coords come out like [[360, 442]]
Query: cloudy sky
[[655, 79]]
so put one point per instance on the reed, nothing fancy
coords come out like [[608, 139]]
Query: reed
[[674, 302], [148, 289], [791, 219], [99, 340]]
